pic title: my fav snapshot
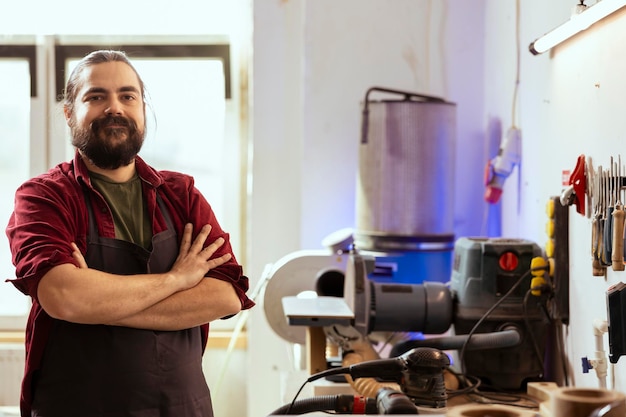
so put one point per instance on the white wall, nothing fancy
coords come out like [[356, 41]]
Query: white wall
[[571, 104], [315, 59]]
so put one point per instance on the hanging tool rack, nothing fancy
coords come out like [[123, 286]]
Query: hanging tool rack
[[601, 189], [608, 218]]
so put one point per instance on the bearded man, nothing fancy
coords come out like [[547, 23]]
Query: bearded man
[[126, 265]]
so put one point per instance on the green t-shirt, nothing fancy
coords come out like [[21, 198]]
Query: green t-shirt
[[130, 214]]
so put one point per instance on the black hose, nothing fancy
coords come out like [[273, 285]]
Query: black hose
[[341, 404], [494, 340]]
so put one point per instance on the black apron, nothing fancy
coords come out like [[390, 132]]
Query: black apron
[[112, 371]]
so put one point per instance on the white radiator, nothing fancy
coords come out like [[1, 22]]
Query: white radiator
[[11, 372]]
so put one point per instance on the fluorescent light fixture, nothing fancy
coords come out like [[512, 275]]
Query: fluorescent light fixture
[[577, 23]]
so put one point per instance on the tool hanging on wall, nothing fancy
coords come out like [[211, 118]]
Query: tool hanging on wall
[[576, 191], [602, 208], [604, 192], [617, 254], [608, 223]]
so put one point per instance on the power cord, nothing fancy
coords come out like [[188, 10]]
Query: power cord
[[470, 387], [491, 309], [529, 329]]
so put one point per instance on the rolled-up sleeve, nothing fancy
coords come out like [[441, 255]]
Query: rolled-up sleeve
[[40, 231]]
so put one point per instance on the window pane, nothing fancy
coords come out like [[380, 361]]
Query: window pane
[[187, 100], [14, 168]]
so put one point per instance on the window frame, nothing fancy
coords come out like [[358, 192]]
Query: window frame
[[62, 53]]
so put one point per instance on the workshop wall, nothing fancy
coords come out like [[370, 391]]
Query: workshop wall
[[571, 100], [313, 63]]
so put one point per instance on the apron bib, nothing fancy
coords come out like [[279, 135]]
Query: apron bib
[[112, 371]]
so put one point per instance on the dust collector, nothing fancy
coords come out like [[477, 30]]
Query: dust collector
[[405, 186]]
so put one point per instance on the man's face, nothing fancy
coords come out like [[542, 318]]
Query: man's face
[[108, 122]]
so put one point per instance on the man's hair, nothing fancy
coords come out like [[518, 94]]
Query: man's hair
[[94, 58]]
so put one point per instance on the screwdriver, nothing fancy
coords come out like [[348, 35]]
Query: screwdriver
[[617, 257], [607, 223]]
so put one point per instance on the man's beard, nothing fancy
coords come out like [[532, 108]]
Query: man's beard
[[104, 146]]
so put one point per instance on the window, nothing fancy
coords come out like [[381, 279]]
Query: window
[[14, 169]]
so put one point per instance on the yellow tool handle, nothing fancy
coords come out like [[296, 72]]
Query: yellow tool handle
[[617, 256]]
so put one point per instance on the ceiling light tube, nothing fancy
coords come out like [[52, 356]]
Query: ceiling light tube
[[577, 23]]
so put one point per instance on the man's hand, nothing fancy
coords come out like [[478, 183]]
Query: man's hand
[[193, 262]]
